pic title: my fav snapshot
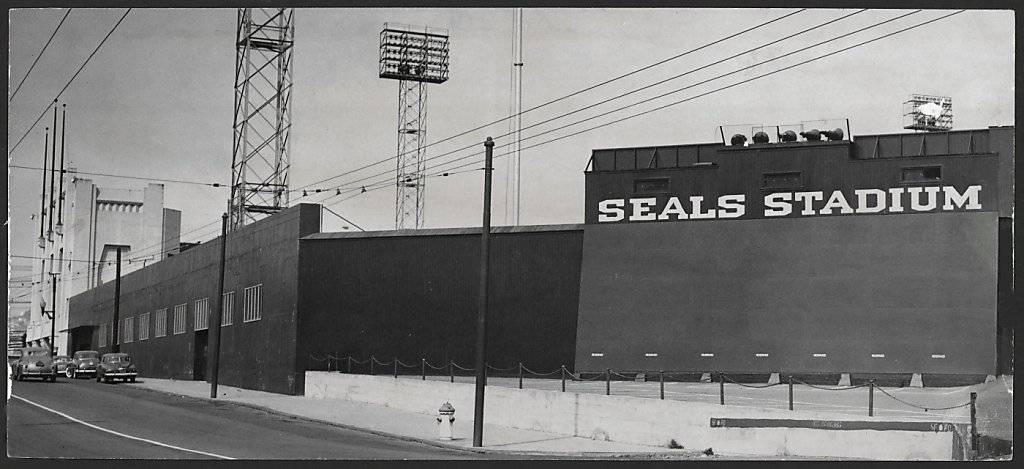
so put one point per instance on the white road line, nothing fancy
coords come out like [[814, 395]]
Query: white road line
[[157, 443]]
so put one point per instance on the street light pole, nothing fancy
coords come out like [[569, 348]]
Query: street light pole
[[481, 320]]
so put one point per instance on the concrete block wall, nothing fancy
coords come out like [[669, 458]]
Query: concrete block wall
[[634, 420]]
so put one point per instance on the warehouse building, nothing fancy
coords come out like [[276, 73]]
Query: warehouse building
[[879, 255]]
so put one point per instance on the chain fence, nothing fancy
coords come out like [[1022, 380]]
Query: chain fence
[[451, 370]]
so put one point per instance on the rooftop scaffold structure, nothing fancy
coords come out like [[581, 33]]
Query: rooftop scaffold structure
[[414, 56], [263, 114]]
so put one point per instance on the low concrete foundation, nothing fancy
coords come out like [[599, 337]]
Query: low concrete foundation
[[844, 379], [651, 422]]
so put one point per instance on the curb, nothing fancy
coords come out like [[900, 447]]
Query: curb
[[682, 454]]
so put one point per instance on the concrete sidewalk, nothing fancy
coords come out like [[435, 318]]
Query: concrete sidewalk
[[422, 428]]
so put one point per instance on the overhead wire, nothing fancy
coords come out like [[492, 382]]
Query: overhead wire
[[40, 55], [475, 145], [712, 91], [27, 132], [575, 93], [121, 176]]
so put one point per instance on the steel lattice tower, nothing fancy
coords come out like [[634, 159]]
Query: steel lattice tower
[[263, 116], [415, 57]]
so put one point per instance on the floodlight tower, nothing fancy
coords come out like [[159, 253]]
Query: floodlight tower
[[263, 114], [415, 56], [928, 113]]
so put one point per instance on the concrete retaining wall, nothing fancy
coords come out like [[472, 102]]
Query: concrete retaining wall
[[650, 422]]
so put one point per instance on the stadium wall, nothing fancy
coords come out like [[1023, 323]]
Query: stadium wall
[[413, 295], [255, 354]]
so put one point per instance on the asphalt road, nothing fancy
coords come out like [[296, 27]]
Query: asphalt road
[[122, 421]]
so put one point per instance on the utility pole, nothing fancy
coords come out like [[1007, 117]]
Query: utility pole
[[481, 318], [42, 201], [215, 327], [60, 190], [53, 167], [115, 346]]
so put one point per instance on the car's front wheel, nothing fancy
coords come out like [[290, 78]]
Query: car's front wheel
[[69, 372]]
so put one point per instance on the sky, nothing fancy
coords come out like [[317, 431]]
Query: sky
[[155, 101]]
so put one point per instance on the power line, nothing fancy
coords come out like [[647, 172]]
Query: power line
[[341, 217], [178, 181], [69, 82], [473, 145], [699, 95], [34, 62], [715, 90], [647, 67]]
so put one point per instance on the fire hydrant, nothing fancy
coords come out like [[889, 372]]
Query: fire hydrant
[[445, 421]]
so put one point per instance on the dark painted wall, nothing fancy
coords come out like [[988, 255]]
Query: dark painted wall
[[906, 286], [414, 296], [255, 355]]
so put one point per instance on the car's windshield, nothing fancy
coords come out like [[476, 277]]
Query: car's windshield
[[84, 355], [122, 359]]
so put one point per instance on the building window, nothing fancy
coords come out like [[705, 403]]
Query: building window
[[229, 305], [129, 326], [921, 174], [103, 335], [202, 315], [160, 323], [786, 180], [650, 186], [180, 311], [143, 326], [253, 303]]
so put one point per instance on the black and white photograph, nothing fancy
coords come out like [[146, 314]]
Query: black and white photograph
[[567, 232]]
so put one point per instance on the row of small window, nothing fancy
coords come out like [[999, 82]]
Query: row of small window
[[794, 179], [252, 310]]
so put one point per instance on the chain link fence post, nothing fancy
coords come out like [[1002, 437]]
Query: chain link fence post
[[349, 368], [871, 398], [607, 382], [372, 360], [661, 379], [423, 368], [563, 378], [721, 388], [396, 367], [451, 370], [790, 392], [520, 375]]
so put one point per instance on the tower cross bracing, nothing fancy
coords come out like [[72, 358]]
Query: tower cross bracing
[[261, 154]]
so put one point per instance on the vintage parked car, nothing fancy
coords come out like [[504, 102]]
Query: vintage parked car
[[61, 362], [115, 366], [35, 362], [82, 363]]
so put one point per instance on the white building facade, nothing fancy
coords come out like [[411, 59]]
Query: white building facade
[[82, 252]]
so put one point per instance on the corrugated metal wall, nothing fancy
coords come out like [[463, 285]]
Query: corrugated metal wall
[[415, 296], [255, 355]]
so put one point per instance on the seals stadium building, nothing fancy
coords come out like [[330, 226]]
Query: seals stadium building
[[883, 255]]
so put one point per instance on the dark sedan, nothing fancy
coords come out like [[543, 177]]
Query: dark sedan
[[35, 362], [82, 363], [115, 366]]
